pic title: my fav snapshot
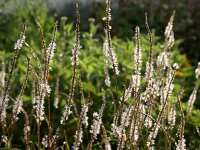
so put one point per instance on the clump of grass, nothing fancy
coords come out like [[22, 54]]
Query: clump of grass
[[142, 113]]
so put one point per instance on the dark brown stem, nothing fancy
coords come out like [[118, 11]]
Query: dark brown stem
[[7, 85], [164, 105], [73, 80], [110, 48], [38, 133], [49, 125]]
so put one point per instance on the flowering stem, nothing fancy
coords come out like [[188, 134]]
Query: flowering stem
[[7, 85], [163, 107]]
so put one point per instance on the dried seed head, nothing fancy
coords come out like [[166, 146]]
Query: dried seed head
[[181, 144], [19, 43], [152, 135], [148, 122], [51, 49], [78, 138], [95, 128], [172, 115], [169, 33], [110, 56], [137, 59], [2, 75], [4, 139], [150, 63], [45, 141], [137, 52], [192, 99], [175, 66], [3, 107], [66, 114], [17, 108], [197, 71], [163, 60]]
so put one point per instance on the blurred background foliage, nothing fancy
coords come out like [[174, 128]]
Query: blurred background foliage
[[126, 14]]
